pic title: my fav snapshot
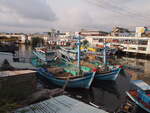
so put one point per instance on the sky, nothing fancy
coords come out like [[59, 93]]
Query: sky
[[72, 15]]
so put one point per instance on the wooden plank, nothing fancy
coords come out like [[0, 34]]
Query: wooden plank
[[60, 104]]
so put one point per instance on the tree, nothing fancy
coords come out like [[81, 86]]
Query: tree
[[85, 43], [37, 41]]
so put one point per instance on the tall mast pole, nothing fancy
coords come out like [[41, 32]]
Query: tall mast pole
[[104, 54], [78, 45]]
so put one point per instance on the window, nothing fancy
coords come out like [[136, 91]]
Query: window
[[131, 48], [143, 42], [142, 48], [101, 40], [95, 39], [140, 63]]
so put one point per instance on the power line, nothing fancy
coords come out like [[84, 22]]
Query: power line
[[121, 11]]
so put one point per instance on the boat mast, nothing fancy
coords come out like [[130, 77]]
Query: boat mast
[[78, 45], [104, 55]]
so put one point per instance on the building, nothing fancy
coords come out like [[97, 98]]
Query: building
[[143, 31], [93, 33], [45, 37], [118, 31], [129, 44]]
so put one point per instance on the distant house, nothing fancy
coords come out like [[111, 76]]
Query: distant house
[[93, 33], [146, 32], [118, 31]]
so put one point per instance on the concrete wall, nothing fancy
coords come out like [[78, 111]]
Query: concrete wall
[[4, 55], [17, 86]]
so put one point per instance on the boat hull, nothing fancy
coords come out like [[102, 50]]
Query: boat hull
[[140, 104], [82, 82], [108, 76]]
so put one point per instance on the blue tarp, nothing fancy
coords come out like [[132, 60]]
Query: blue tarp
[[144, 97]]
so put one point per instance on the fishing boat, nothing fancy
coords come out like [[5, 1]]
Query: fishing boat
[[72, 78], [44, 55], [69, 79], [110, 75], [140, 95], [68, 52], [109, 72], [99, 51], [104, 71]]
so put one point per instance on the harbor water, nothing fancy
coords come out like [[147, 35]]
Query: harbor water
[[108, 95]]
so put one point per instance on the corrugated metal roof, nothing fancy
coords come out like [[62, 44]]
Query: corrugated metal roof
[[141, 84], [60, 104]]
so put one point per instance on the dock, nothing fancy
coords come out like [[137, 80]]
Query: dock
[[60, 104]]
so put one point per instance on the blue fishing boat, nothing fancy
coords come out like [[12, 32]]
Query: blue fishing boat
[[72, 54], [71, 81], [65, 78], [107, 75], [44, 54], [140, 95], [111, 75]]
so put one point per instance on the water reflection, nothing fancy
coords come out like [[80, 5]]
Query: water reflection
[[108, 95], [111, 94], [24, 51], [142, 64]]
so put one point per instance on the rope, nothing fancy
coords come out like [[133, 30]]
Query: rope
[[66, 83]]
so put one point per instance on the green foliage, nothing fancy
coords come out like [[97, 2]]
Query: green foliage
[[85, 43], [37, 41], [27, 42], [7, 106], [49, 33]]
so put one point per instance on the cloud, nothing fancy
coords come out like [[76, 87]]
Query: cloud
[[23, 14], [127, 13], [34, 9], [72, 15]]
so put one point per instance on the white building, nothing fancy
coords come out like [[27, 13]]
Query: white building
[[22, 39], [130, 44]]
